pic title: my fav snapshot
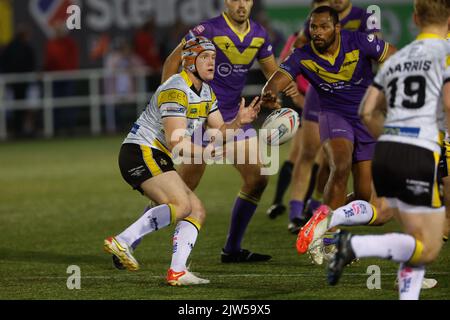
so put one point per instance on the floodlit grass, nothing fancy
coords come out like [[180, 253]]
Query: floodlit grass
[[59, 199]]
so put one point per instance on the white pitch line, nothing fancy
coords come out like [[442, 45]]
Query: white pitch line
[[213, 276]]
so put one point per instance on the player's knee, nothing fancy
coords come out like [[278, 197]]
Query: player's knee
[[341, 168], [430, 249], [256, 183], [182, 206], [198, 211], [308, 155], [429, 254]]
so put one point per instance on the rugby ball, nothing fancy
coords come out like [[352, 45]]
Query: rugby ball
[[282, 124]]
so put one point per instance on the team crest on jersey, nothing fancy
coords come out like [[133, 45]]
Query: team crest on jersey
[[199, 29]]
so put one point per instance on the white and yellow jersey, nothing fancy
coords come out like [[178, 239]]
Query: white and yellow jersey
[[444, 126], [412, 82], [174, 98]]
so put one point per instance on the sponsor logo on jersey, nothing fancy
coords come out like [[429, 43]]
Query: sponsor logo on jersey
[[199, 29], [224, 69]]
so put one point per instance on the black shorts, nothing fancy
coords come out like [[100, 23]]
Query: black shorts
[[406, 172], [139, 163]]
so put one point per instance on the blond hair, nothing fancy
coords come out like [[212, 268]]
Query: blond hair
[[431, 12]]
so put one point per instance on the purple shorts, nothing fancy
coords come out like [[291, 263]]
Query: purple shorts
[[228, 115], [332, 125], [311, 108], [246, 133]]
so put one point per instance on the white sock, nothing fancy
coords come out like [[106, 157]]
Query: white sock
[[356, 213], [152, 220], [410, 281], [184, 239], [398, 247]]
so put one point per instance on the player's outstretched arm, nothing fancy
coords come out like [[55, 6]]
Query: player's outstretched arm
[[268, 66], [175, 130], [390, 51], [172, 63], [372, 110], [178, 142], [277, 83]]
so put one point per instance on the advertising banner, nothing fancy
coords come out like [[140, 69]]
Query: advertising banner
[[396, 17], [103, 21]]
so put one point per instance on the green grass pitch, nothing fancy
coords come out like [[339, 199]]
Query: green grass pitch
[[60, 198]]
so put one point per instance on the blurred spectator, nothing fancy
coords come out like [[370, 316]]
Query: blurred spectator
[[100, 47], [258, 7], [146, 46], [18, 57], [62, 54], [277, 37], [120, 81]]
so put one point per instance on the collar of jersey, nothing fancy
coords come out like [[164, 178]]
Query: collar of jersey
[[422, 36], [240, 35], [185, 76], [332, 59]]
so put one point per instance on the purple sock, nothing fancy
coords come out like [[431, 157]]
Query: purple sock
[[295, 209], [243, 210], [314, 204], [329, 241]]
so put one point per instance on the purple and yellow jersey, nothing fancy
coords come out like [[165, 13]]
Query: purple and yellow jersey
[[236, 53], [341, 80], [356, 20]]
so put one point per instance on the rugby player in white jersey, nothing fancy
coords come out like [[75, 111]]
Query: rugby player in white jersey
[[180, 105], [409, 89], [445, 167]]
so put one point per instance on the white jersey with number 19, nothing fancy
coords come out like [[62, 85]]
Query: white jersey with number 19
[[412, 81]]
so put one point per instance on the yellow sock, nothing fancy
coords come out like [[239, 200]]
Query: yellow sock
[[417, 253], [375, 215]]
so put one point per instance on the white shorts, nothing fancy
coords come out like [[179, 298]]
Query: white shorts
[[412, 209]]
